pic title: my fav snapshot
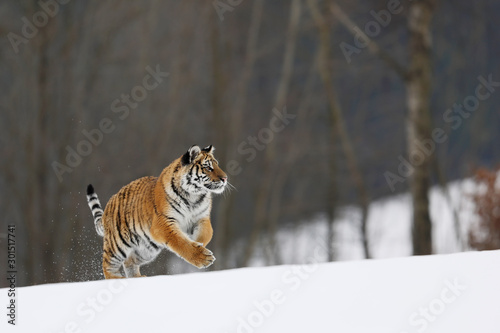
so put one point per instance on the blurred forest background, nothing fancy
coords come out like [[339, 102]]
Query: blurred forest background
[[359, 100]]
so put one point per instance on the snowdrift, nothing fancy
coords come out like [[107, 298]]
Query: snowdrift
[[443, 293]]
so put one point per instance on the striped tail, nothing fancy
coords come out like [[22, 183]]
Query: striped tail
[[96, 208]]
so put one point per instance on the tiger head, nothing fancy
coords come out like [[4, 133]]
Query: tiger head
[[202, 171]]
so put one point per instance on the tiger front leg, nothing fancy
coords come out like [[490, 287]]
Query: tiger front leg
[[168, 232], [203, 232]]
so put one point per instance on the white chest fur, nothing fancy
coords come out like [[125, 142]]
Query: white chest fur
[[188, 210]]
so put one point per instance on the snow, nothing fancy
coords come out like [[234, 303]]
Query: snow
[[435, 294], [389, 228], [441, 293]]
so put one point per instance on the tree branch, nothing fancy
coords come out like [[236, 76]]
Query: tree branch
[[372, 46]]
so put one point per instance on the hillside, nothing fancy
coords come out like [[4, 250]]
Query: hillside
[[443, 293], [389, 228]]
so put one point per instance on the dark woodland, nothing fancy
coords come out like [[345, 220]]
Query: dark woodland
[[311, 105]]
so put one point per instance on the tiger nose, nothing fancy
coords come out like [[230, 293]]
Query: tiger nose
[[224, 179]]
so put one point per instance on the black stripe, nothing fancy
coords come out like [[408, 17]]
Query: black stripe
[[113, 256], [134, 231], [111, 207], [137, 239], [123, 239], [155, 208], [115, 261], [119, 230], [106, 260], [140, 224], [135, 204], [95, 206], [189, 175], [121, 252], [199, 201], [176, 191], [173, 202], [122, 196], [177, 167], [118, 247], [203, 211], [196, 173], [133, 240], [151, 242], [138, 256], [173, 205]]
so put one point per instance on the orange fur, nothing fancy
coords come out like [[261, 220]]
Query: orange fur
[[152, 213]]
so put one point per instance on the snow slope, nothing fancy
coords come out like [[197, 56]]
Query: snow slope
[[443, 293], [389, 228]]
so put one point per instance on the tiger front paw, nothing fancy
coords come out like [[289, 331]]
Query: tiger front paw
[[201, 256]]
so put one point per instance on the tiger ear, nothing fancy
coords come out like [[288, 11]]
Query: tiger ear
[[209, 149], [190, 155]]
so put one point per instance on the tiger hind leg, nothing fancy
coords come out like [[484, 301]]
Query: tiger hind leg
[[131, 267], [111, 264], [111, 270]]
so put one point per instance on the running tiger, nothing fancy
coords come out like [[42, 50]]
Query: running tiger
[[151, 213]]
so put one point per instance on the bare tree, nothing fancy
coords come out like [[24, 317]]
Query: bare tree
[[417, 79], [419, 124], [338, 127], [222, 237], [265, 188]]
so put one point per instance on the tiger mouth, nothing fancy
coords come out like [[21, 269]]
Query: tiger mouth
[[215, 187]]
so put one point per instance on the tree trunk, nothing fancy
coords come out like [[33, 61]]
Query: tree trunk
[[338, 127], [264, 191], [292, 155], [419, 121], [418, 85], [223, 229]]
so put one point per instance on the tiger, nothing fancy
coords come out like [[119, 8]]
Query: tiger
[[171, 212]]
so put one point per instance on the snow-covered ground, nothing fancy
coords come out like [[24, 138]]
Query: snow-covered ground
[[456, 293], [443, 293], [389, 228]]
